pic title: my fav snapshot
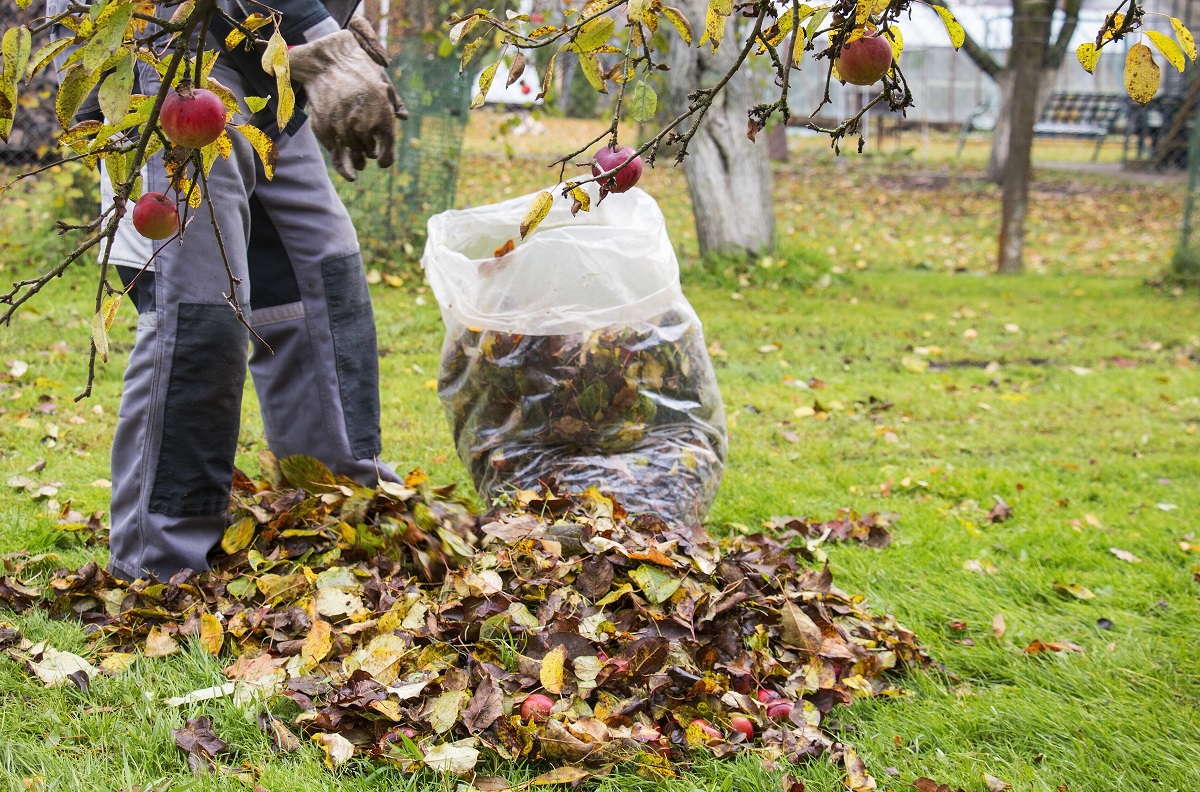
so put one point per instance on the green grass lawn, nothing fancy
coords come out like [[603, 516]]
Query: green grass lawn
[[893, 385]]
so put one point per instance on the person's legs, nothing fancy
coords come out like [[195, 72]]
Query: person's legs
[[318, 384], [173, 451]]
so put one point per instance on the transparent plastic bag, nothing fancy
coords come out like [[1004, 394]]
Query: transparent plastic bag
[[575, 360]]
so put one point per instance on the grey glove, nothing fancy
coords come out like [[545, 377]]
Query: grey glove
[[352, 103]]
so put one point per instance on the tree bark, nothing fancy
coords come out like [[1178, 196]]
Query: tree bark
[[1031, 28], [1001, 133], [728, 177]]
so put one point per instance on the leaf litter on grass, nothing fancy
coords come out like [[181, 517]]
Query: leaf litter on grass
[[409, 630]]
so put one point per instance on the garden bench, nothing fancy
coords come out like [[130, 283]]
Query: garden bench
[[1066, 114]]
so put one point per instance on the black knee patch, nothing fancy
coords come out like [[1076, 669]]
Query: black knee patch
[[203, 411], [352, 324], [272, 277]]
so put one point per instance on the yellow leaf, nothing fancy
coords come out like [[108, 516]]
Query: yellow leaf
[[44, 56], [1113, 24], [1141, 74], [548, 76], [1186, 41], [212, 634], [75, 86], [252, 22], [862, 10], [238, 536], [1168, 47], [18, 42], [957, 34], [338, 749], [537, 212], [552, 670], [714, 28], [263, 145], [100, 336], [1088, 56], [681, 23], [799, 41], [485, 85], [275, 61], [590, 65], [567, 774], [581, 195], [224, 145], [160, 644], [318, 643], [897, 39], [469, 52], [594, 33]]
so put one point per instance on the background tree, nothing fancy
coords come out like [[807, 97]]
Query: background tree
[[728, 175], [1014, 78]]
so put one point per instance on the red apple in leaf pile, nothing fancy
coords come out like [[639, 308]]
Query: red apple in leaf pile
[[192, 117], [536, 708], [865, 60], [608, 158], [155, 216]]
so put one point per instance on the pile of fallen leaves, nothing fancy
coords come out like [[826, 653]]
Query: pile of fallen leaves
[[409, 630]]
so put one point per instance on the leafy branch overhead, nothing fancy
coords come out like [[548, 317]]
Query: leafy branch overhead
[[617, 44]]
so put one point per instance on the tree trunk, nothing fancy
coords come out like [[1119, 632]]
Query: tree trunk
[[728, 177], [1031, 22], [1003, 129]]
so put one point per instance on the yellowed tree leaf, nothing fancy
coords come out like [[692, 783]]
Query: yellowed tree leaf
[[485, 85], [75, 86], [239, 535], [263, 145], [457, 758], [55, 668], [552, 670], [857, 777], [537, 212], [714, 27], [160, 644], [1141, 74], [594, 33], [1167, 46], [338, 749], [1186, 41], [1088, 56], [896, 38], [212, 634], [1112, 25], [680, 22], [548, 77], [318, 642], [957, 34], [590, 65], [568, 774], [582, 197]]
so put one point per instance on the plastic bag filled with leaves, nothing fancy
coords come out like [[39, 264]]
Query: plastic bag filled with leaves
[[573, 359]]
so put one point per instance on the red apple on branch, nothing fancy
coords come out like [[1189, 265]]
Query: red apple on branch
[[192, 117], [608, 159], [864, 61], [155, 216]]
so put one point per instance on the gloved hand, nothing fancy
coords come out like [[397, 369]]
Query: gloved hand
[[352, 103]]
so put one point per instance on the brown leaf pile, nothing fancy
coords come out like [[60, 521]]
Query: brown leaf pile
[[408, 630]]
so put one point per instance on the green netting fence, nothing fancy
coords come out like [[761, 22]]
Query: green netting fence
[[1185, 263], [390, 207]]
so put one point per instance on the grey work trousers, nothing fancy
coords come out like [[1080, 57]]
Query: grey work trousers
[[291, 243]]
